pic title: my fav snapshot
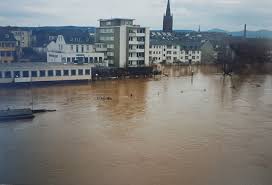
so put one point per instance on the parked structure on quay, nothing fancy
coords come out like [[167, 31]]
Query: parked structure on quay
[[125, 44], [17, 73]]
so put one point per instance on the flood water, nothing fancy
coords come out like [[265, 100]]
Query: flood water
[[174, 130]]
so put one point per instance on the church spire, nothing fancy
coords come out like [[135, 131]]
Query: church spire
[[168, 10], [168, 19]]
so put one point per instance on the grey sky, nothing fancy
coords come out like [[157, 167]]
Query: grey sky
[[188, 14]]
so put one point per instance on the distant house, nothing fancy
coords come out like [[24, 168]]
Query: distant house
[[74, 49], [8, 47], [23, 37]]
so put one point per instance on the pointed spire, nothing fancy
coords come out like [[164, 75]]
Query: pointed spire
[[168, 10]]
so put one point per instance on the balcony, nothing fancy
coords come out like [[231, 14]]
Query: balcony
[[136, 58], [140, 34], [101, 49], [132, 34], [140, 50], [132, 50], [136, 42]]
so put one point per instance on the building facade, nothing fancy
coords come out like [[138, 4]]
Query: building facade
[[74, 51], [23, 38], [8, 47], [168, 19], [126, 44], [171, 52]]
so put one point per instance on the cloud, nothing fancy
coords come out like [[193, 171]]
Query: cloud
[[188, 14]]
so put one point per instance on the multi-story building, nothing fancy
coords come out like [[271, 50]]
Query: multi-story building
[[127, 44], [173, 52], [23, 38], [74, 50], [8, 47]]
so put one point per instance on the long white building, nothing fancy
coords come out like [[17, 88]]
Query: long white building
[[74, 50], [127, 44], [171, 52], [16, 73]]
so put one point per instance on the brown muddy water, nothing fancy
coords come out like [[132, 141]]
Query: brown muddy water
[[175, 130]]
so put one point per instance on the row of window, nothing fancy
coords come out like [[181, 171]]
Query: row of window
[[174, 52], [7, 53], [170, 58], [44, 73], [7, 45], [139, 62], [83, 59], [137, 55], [78, 48]]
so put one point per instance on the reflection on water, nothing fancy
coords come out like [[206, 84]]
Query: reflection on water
[[204, 129]]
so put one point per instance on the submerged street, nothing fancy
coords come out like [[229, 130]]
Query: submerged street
[[201, 130]]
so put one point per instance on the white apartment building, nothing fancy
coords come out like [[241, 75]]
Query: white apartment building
[[170, 52], [74, 50], [127, 44]]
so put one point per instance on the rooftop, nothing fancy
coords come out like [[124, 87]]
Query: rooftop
[[113, 19]]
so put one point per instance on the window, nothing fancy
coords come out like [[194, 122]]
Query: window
[[68, 59], [95, 59], [65, 72], [42, 73], [193, 57], [100, 59], [34, 73], [77, 48], [86, 60], [87, 71], [58, 72], [7, 74], [25, 74], [91, 59], [16, 74], [73, 72], [72, 47], [82, 49], [0, 74], [80, 72], [50, 73], [2, 53]]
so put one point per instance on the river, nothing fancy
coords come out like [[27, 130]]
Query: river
[[201, 130]]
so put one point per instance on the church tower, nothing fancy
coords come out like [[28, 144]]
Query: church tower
[[168, 19]]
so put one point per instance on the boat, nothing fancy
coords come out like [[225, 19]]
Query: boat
[[16, 114]]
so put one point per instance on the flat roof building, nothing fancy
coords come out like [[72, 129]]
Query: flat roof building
[[127, 44]]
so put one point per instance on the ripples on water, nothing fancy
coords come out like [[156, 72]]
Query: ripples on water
[[176, 130]]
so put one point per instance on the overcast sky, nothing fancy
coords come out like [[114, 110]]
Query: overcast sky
[[188, 14]]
